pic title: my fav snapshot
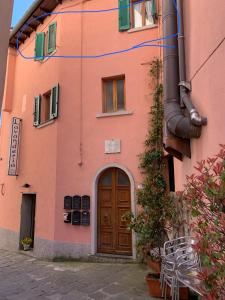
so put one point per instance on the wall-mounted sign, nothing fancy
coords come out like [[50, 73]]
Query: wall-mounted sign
[[14, 147], [112, 146]]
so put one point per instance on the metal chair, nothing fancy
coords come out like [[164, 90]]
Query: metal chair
[[174, 251], [187, 269], [169, 279]]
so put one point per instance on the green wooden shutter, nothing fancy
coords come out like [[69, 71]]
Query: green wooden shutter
[[37, 110], [153, 8], [54, 102], [39, 46], [124, 15], [51, 38]]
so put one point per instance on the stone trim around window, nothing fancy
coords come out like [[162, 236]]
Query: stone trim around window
[[45, 123], [142, 28], [114, 114]]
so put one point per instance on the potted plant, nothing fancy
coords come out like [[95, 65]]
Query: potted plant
[[26, 242], [205, 195], [155, 204]]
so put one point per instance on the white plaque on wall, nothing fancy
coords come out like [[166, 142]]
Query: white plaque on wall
[[112, 146], [14, 147]]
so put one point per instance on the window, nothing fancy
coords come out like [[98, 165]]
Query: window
[[45, 42], [136, 13], [113, 94], [46, 106], [169, 173], [143, 13]]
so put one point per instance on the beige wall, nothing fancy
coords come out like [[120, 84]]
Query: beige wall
[[5, 20], [204, 30]]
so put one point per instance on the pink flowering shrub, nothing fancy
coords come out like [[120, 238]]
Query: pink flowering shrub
[[205, 196]]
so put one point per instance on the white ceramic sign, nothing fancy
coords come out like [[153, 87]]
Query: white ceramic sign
[[14, 147], [112, 146]]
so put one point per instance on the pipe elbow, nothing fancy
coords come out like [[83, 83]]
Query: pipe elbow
[[196, 119], [182, 127]]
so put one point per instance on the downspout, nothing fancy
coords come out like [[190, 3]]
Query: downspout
[[176, 89], [185, 86]]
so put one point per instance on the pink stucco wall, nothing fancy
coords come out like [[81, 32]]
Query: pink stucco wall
[[5, 20], [62, 158], [204, 30]]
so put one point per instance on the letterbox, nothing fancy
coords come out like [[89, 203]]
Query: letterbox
[[76, 216], [67, 202], [76, 202], [85, 218], [85, 202], [67, 217]]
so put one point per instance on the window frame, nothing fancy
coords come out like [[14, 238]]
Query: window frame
[[46, 50], [45, 114], [143, 12], [42, 115], [114, 79], [49, 49]]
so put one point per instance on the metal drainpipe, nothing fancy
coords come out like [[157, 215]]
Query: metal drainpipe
[[185, 86], [176, 122]]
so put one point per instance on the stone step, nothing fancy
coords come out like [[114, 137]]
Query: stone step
[[101, 258], [110, 258]]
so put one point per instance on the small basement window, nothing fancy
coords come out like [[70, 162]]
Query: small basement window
[[113, 94]]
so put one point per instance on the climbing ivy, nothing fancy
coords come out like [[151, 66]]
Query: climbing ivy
[[155, 206]]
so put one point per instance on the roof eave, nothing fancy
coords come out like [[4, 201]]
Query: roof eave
[[26, 16]]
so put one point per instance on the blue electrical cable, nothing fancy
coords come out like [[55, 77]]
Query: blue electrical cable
[[137, 46]]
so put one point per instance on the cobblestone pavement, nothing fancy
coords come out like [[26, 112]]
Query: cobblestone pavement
[[23, 277]]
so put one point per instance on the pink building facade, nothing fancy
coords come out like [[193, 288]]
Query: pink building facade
[[205, 51], [5, 20], [83, 124]]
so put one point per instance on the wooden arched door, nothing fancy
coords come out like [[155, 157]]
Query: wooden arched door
[[113, 202]]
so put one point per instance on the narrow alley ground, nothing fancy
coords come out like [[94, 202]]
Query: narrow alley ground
[[23, 277]]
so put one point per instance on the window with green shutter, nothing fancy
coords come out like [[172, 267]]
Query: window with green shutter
[[124, 15], [54, 102], [46, 106], [37, 110], [39, 46], [51, 38]]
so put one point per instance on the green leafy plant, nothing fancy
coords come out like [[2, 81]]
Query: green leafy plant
[[205, 196], [155, 205], [26, 241]]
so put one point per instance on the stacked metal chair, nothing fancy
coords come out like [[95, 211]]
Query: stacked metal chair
[[179, 258], [188, 267]]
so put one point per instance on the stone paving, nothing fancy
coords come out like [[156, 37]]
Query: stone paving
[[25, 278]]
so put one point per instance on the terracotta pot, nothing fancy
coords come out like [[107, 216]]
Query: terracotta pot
[[184, 293], [154, 285], [153, 282], [154, 265]]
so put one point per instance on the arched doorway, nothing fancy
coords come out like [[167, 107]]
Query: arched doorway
[[114, 200]]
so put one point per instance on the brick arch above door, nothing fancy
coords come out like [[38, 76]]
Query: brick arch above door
[[94, 205]]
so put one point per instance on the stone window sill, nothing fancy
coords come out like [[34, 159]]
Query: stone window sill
[[114, 114], [142, 28], [47, 58], [45, 124]]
